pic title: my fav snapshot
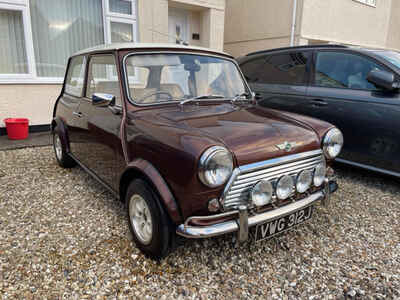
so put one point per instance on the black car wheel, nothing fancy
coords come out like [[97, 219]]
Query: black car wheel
[[150, 226], [63, 159]]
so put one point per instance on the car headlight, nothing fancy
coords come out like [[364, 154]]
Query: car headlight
[[215, 166], [284, 187], [332, 143], [319, 174], [304, 181], [261, 194]]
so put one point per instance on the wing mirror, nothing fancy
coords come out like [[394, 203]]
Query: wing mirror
[[103, 100], [383, 79]]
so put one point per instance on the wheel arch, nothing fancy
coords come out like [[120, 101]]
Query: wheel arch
[[62, 131], [143, 169]]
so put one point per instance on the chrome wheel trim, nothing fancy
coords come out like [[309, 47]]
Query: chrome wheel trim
[[140, 218], [58, 147]]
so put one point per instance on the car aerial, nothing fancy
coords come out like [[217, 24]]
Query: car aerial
[[355, 89], [175, 133]]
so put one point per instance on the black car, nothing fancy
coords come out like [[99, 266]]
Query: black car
[[354, 88]]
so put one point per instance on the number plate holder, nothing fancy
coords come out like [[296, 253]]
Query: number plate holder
[[269, 229]]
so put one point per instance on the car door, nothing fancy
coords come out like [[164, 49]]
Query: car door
[[368, 116], [279, 80], [102, 150], [69, 102]]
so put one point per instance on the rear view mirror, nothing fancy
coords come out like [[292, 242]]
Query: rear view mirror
[[103, 100], [382, 79]]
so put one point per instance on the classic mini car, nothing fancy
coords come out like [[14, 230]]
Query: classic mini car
[[175, 133], [356, 89]]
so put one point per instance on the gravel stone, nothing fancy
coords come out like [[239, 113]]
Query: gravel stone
[[63, 236]]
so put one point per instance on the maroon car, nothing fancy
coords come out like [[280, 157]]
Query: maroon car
[[175, 133]]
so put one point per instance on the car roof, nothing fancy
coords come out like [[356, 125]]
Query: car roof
[[322, 46], [155, 46]]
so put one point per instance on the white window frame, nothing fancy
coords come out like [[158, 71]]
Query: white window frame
[[31, 77], [21, 5]]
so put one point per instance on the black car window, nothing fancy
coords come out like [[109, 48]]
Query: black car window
[[343, 70], [102, 77], [75, 76], [288, 68]]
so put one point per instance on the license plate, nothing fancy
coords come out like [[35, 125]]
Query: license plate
[[271, 228]]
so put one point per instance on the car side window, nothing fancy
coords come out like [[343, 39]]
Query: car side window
[[102, 77], [287, 68], [343, 70], [75, 76]]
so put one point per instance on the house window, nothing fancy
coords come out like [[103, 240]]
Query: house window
[[367, 2], [38, 36], [121, 7], [13, 58], [61, 28]]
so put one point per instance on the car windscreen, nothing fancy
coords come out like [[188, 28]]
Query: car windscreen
[[391, 56], [159, 78]]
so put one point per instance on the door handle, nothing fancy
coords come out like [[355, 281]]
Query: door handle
[[78, 114], [318, 102]]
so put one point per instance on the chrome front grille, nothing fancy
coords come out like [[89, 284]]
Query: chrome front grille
[[245, 177]]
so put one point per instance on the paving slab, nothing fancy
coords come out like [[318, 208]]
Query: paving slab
[[37, 139]]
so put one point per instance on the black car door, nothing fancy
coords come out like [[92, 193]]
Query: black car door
[[279, 80], [101, 126], [369, 117]]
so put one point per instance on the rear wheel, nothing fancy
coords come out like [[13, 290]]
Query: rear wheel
[[63, 159], [150, 226]]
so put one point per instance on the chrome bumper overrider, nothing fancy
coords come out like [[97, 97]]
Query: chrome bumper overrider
[[243, 222]]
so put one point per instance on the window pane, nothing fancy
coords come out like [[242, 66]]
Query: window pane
[[342, 70], [285, 69], [252, 68], [13, 59], [101, 78], [121, 32], [172, 77], [121, 6], [75, 77], [61, 28]]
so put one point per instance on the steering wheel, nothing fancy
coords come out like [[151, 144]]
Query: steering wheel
[[156, 93]]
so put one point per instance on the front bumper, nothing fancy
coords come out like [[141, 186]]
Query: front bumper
[[243, 222]]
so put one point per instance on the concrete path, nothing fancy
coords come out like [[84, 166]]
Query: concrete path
[[38, 139]]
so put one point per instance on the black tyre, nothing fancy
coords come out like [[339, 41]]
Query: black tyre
[[151, 227], [63, 159]]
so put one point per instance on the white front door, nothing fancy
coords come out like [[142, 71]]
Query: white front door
[[178, 25]]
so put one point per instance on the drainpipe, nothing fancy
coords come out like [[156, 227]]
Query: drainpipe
[[293, 23]]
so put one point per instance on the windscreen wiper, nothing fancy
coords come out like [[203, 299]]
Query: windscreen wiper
[[201, 97], [238, 96]]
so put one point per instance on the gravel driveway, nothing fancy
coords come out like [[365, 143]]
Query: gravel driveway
[[62, 236]]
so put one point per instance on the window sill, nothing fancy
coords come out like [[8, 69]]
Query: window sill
[[32, 81]]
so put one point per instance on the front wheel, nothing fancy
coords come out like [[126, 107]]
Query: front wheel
[[150, 226], [63, 159]]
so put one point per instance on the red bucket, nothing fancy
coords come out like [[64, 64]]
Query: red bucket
[[17, 128]]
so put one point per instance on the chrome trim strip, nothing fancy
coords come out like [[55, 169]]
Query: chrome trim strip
[[368, 167], [232, 226], [279, 160]]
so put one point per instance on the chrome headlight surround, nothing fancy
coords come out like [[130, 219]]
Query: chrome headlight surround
[[261, 193], [332, 143], [304, 181], [284, 187], [215, 166], [319, 174]]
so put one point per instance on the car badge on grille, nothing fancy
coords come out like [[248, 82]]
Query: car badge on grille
[[287, 146]]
